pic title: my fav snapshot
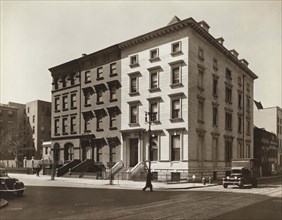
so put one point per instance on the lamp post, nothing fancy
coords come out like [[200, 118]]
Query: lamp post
[[150, 120]]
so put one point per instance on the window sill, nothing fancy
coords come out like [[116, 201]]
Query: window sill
[[112, 100], [134, 65], [73, 132], [201, 122], [99, 103], [72, 108], [176, 53], [113, 128], [87, 105], [65, 109], [176, 85], [133, 124], [176, 120], [57, 134], [155, 59], [113, 74], [65, 133], [88, 81], [56, 111], [201, 89], [99, 78], [154, 90], [134, 93], [99, 129]]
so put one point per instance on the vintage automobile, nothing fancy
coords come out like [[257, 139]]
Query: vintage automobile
[[8, 184], [240, 176]]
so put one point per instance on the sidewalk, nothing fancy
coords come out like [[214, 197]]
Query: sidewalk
[[45, 180]]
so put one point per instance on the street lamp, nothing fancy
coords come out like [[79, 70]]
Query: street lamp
[[150, 120]]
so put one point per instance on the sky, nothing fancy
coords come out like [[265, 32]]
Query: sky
[[38, 35]]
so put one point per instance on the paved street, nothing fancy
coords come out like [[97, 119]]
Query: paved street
[[198, 203]]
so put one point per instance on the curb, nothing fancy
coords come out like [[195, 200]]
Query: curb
[[3, 203]]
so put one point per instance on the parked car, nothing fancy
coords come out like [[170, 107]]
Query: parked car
[[8, 184], [240, 176]]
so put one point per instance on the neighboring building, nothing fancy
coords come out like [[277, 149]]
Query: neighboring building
[[8, 120], [86, 109], [199, 91], [39, 119], [265, 150], [270, 119]]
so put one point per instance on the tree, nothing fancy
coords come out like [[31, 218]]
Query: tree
[[14, 143]]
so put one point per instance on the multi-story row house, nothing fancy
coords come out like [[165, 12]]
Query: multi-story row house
[[86, 110], [270, 119], [199, 94], [265, 151]]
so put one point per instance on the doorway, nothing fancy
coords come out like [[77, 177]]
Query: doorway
[[133, 156]]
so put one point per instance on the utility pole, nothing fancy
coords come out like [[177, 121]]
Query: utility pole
[[150, 120]]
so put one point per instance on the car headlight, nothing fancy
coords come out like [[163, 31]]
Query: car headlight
[[228, 177], [235, 177], [3, 182]]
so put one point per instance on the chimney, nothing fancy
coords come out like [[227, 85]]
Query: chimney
[[234, 53], [220, 40], [245, 62], [84, 54], [204, 25]]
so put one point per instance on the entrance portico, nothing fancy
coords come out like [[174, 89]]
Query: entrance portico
[[133, 150]]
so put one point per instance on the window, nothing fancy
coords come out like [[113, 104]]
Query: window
[[248, 87], [87, 124], [201, 54], [55, 84], [201, 112], [56, 126], [215, 64], [239, 124], [239, 81], [175, 75], [73, 124], [228, 74], [154, 80], [100, 96], [65, 102], [228, 150], [228, 121], [248, 127], [64, 125], [87, 97], [154, 55], [154, 110], [64, 81], [154, 148], [99, 122], [214, 116], [175, 147], [239, 100], [113, 93], [73, 100], [175, 109], [228, 95], [248, 106], [57, 104], [214, 87], [134, 61], [133, 114], [72, 79], [113, 69], [100, 73], [28, 109], [112, 154], [176, 48], [133, 85], [113, 120], [87, 77], [201, 71], [33, 118], [33, 129]]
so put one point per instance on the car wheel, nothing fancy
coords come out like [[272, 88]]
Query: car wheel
[[225, 185], [20, 193]]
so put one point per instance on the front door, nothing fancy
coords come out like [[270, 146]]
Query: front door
[[133, 160]]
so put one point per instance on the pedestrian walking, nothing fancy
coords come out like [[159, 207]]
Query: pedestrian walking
[[149, 181], [37, 170]]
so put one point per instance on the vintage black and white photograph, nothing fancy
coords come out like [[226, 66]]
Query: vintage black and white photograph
[[140, 110]]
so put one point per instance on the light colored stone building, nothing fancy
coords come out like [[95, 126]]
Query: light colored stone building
[[201, 94]]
